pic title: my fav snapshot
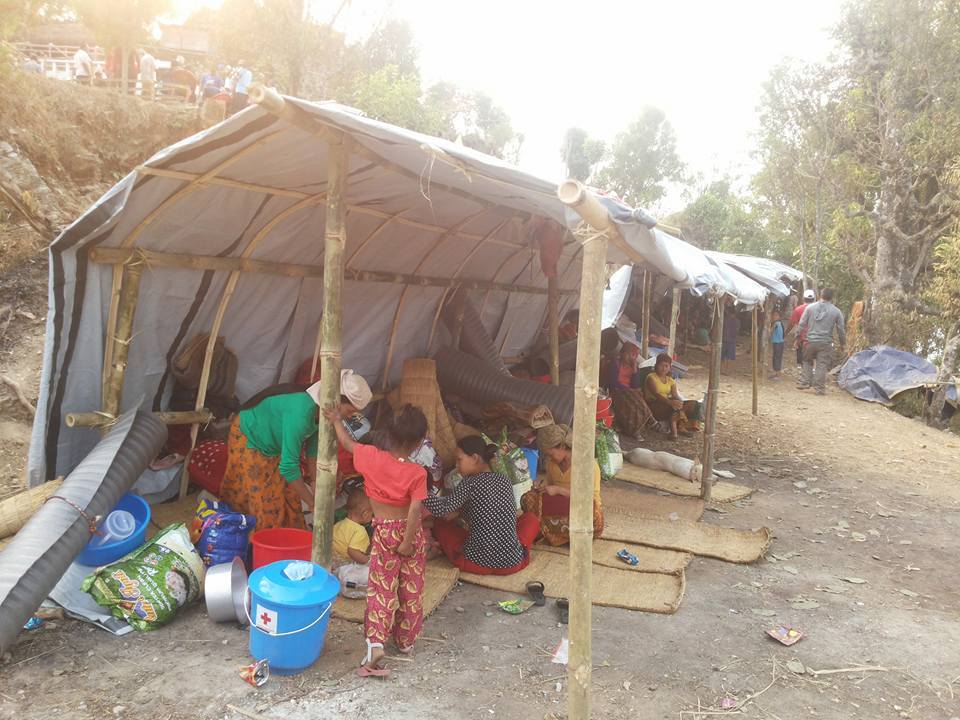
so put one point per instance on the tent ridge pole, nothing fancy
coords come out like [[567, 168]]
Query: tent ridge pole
[[112, 393]]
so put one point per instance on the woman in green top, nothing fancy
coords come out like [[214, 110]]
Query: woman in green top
[[263, 476]]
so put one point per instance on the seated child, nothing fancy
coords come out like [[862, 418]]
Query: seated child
[[351, 545]]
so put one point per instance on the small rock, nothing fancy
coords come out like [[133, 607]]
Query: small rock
[[796, 667], [458, 609], [489, 614], [485, 648], [487, 603], [225, 641], [57, 672], [626, 685], [118, 710]]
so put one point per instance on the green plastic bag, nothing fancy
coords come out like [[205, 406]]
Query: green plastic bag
[[147, 587], [510, 460], [602, 453]]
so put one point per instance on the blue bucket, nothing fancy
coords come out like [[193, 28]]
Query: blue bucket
[[288, 618]]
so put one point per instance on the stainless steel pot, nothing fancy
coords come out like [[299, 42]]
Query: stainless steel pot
[[224, 590]]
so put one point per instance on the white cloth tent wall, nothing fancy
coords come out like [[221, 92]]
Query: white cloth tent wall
[[251, 189]]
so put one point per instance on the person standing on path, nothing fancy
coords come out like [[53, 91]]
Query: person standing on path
[[82, 66], [148, 75], [817, 324], [794, 325], [777, 338]]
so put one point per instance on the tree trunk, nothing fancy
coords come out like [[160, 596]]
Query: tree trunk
[[948, 368], [803, 251], [818, 230]]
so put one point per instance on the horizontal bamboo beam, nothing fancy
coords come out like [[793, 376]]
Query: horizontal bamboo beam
[[203, 181], [99, 419], [574, 194], [115, 256]]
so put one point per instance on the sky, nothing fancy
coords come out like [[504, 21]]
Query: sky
[[553, 65]]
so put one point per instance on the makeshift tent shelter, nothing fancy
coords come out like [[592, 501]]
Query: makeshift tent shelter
[[229, 233]]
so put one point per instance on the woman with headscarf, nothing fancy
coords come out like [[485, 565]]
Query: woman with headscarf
[[665, 401], [264, 476], [625, 383], [550, 500]]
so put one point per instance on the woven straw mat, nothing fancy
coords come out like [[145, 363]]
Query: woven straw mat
[[635, 501], [699, 538], [650, 560], [723, 492], [650, 592]]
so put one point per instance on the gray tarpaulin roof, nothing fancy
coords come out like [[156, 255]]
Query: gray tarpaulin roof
[[769, 273], [253, 186]]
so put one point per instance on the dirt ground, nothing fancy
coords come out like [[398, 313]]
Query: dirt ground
[[851, 491]]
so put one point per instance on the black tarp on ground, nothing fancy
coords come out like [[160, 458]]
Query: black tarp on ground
[[879, 373]]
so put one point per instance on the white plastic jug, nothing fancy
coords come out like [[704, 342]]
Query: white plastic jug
[[117, 526]]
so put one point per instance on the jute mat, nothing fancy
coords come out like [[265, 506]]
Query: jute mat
[[651, 560], [439, 579], [650, 592], [699, 538], [638, 502], [723, 492]]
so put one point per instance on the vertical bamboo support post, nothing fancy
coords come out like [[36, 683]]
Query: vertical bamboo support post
[[674, 317], [586, 389], [645, 318], [126, 309], [713, 391], [755, 358], [553, 317], [331, 344]]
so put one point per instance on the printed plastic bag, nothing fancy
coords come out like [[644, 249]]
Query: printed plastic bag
[[219, 533], [353, 578], [147, 587], [510, 460]]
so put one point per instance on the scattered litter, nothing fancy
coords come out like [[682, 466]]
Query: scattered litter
[[785, 635], [800, 484], [562, 652], [724, 474], [728, 703], [33, 623], [762, 612], [796, 667], [906, 542], [628, 557], [858, 537], [908, 593], [790, 569], [256, 673], [854, 580], [625, 685]]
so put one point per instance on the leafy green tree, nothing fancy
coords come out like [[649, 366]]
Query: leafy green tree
[[720, 219], [643, 160], [120, 24], [581, 153]]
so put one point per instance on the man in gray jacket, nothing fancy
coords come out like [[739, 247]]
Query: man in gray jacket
[[818, 320]]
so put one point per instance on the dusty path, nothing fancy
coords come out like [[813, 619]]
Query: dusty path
[[850, 490]]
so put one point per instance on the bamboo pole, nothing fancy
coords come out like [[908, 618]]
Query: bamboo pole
[[358, 209], [674, 317], [99, 419], [118, 256], [334, 241], [755, 360], [586, 390], [126, 309], [645, 318], [713, 392], [193, 183], [553, 317]]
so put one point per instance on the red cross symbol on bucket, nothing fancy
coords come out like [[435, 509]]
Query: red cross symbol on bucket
[[267, 620]]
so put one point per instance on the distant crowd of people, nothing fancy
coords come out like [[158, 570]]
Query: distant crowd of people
[[220, 90]]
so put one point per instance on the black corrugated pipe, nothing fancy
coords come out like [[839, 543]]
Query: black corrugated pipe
[[474, 338], [41, 552], [472, 379]]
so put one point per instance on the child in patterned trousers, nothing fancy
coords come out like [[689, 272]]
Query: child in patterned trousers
[[396, 486]]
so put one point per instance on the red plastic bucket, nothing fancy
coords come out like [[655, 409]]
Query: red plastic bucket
[[280, 544]]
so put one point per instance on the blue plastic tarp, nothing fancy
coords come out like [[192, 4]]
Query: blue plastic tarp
[[879, 373]]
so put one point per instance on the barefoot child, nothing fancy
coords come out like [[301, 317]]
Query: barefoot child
[[396, 486], [351, 545]]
